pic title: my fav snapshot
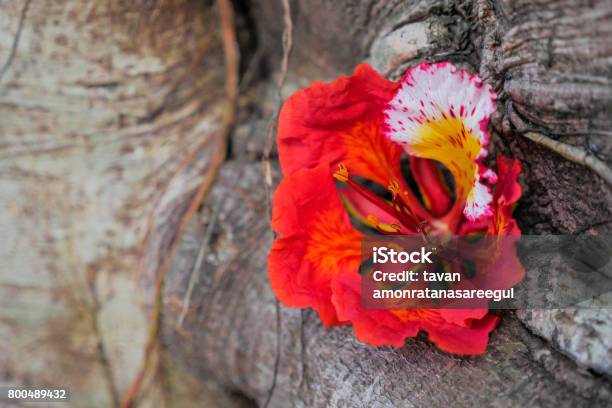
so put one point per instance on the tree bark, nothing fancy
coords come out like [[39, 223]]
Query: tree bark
[[110, 115]]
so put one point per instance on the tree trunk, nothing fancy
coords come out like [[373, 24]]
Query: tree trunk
[[112, 119]]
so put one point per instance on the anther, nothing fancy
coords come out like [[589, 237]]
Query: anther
[[342, 173], [394, 188], [384, 228], [373, 220]]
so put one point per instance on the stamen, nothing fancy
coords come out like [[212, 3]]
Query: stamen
[[397, 209], [422, 229], [342, 173], [392, 229], [394, 188], [398, 203]]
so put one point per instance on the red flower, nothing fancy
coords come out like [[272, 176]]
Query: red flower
[[358, 128]]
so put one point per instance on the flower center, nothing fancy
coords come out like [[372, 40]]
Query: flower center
[[397, 208]]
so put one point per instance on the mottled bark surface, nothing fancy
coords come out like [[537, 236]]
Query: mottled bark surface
[[110, 117]]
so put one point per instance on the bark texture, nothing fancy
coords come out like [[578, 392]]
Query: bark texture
[[111, 117]]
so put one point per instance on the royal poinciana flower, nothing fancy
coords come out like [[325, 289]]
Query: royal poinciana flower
[[336, 143]]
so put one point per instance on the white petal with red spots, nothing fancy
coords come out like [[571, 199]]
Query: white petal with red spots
[[436, 101]]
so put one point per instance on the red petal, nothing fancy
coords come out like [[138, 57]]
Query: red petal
[[462, 340], [340, 122], [376, 327], [455, 331], [432, 185], [318, 241], [507, 193], [507, 189], [292, 279]]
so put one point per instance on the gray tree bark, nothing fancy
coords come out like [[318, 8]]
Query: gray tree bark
[[111, 118]]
